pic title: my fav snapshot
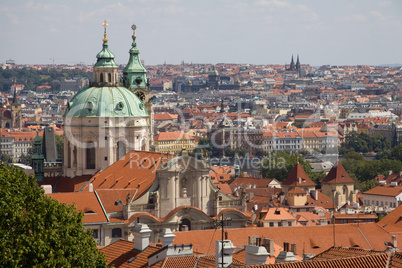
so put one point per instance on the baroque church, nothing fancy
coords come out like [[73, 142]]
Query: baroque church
[[111, 173], [110, 118]]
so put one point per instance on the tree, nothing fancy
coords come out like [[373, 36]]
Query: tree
[[205, 147], [36, 230], [279, 165], [5, 158]]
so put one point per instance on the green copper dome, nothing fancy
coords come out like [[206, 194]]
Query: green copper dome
[[105, 102], [105, 57]]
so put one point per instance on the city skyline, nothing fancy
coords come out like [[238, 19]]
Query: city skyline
[[255, 32]]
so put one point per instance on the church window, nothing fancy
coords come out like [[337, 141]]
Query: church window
[[101, 78], [116, 232], [110, 77], [90, 155]]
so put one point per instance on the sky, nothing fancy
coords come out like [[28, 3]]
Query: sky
[[341, 32]]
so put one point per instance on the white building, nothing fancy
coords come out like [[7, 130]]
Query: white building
[[384, 196]]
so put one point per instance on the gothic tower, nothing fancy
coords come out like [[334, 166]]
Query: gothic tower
[[16, 121], [292, 65]]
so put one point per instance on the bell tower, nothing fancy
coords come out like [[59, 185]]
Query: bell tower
[[135, 79], [16, 121], [134, 74]]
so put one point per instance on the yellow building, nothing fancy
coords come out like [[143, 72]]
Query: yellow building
[[296, 197], [174, 142]]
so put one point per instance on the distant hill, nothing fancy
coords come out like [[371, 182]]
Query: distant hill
[[391, 65]]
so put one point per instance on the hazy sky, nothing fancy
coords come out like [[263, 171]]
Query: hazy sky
[[341, 32]]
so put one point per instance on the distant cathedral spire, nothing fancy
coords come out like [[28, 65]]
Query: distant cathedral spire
[[292, 64]]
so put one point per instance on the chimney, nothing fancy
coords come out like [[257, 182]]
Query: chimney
[[226, 252], [90, 188], [269, 245], [256, 254], [286, 255], [285, 246], [314, 194], [389, 172], [394, 241], [293, 249], [167, 237], [141, 233], [48, 189]]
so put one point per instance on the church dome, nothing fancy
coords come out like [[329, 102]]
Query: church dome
[[105, 102]]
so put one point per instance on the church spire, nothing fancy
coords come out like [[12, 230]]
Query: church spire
[[134, 74], [298, 63], [292, 65], [15, 99]]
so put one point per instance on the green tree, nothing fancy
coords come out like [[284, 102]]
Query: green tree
[[5, 158], [38, 231], [205, 147], [280, 164], [364, 143], [396, 153]]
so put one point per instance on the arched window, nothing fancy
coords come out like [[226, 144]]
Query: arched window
[[120, 150], [185, 225], [143, 144], [116, 232], [101, 77], [90, 155], [110, 77]]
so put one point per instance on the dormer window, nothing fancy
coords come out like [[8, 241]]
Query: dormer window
[[90, 106], [120, 106]]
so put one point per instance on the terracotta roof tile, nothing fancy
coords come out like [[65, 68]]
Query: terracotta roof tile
[[371, 236], [296, 173], [120, 252], [392, 222], [85, 202], [337, 174], [385, 190]]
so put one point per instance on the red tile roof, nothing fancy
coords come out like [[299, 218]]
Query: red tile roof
[[296, 173], [85, 202], [337, 175], [385, 190], [120, 252], [164, 136], [392, 222], [366, 235]]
